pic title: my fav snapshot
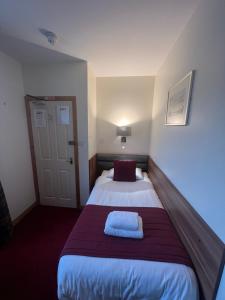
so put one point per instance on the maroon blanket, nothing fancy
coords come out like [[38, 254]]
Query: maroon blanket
[[160, 242]]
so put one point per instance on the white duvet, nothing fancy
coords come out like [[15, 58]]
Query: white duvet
[[134, 194], [93, 278]]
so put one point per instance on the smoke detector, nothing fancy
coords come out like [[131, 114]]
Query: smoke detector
[[51, 36]]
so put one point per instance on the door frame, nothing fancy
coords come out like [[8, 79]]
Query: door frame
[[28, 99]]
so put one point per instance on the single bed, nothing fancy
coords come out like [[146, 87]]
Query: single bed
[[95, 278]]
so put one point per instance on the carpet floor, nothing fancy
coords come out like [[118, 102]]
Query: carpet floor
[[28, 263]]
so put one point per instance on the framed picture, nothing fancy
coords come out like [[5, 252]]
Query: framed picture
[[178, 102]]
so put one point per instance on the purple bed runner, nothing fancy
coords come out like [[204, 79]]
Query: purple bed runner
[[160, 243]]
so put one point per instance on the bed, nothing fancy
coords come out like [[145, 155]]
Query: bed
[[95, 278]]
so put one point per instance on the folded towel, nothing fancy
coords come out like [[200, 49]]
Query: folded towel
[[126, 220], [134, 234]]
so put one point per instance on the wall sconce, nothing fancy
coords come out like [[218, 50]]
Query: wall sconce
[[123, 131]]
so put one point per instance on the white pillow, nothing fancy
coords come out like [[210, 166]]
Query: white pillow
[[139, 174], [110, 173]]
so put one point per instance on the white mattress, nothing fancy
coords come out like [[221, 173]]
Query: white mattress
[[94, 278]]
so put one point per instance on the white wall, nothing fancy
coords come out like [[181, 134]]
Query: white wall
[[15, 159], [193, 157], [92, 112], [65, 79], [124, 101]]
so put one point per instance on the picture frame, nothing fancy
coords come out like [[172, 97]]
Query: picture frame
[[178, 101]]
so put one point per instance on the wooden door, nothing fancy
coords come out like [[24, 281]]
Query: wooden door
[[52, 124]]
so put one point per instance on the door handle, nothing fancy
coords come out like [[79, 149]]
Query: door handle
[[70, 160]]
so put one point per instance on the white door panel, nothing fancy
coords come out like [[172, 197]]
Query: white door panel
[[54, 156]]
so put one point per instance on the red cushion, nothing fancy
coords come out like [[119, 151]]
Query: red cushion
[[124, 170]]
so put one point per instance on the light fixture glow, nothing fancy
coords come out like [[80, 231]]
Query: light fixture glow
[[123, 122]]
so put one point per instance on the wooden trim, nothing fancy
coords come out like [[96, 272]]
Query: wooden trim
[[26, 212], [76, 152], [92, 171], [29, 98], [206, 250], [31, 142]]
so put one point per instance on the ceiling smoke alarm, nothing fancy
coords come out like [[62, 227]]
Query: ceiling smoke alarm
[[51, 36]]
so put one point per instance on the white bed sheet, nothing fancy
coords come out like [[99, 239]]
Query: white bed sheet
[[134, 194], [94, 278]]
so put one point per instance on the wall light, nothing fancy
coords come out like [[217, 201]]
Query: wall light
[[123, 131]]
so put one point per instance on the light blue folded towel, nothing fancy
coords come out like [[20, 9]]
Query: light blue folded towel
[[134, 234], [126, 220]]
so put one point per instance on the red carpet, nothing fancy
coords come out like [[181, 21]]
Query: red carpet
[[28, 263]]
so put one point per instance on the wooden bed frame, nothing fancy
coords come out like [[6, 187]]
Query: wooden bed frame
[[206, 250]]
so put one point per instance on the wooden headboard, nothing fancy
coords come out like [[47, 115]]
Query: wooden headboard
[[206, 250]]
